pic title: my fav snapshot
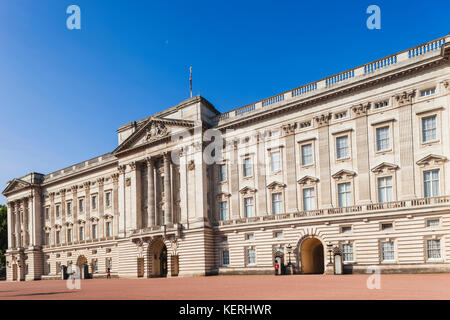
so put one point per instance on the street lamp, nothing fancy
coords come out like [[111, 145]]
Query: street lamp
[[330, 249], [289, 250]]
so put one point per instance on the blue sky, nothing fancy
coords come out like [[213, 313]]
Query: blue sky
[[63, 93]]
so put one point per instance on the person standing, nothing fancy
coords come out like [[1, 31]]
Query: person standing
[[108, 273], [277, 267]]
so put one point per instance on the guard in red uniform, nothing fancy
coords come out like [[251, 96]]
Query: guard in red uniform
[[277, 266]]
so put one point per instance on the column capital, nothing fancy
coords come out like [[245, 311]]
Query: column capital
[[323, 119], [115, 177], [87, 185], [405, 97], [100, 181], [122, 168], [149, 161], [361, 109], [74, 188]]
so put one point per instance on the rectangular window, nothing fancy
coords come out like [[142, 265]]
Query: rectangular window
[[69, 208], [275, 161], [427, 92], [223, 210], [347, 252], [250, 236], [58, 210], [278, 234], [387, 249], [225, 258], [81, 205], [247, 167], [249, 207], [385, 189], [223, 172], [108, 199], [344, 195], [69, 235], [162, 184], [383, 137], [94, 231], [277, 203], [108, 229], [81, 233], [434, 249], [307, 154], [251, 256], [386, 226], [431, 183], [94, 202], [429, 129], [433, 223], [342, 147], [163, 217], [346, 229], [309, 202], [58, 237]]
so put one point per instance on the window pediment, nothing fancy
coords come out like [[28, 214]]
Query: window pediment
[[247, 191], [308, 180], [344, 174], [223, 196], [275, 186], [384, 167], [431, 159]]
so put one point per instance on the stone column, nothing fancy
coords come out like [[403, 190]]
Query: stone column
[[18, 222], [167, 191], [76, 225], [261, 196], [135, 216], [25, 213], [52, 219], [62, 192], [407, 185], [324, 160], [290, 170], [10, 225], [122, 203], [150, 193], [101, 206], [362, 152], [183, 188], [115, 203], [87, 208], [234, 182]]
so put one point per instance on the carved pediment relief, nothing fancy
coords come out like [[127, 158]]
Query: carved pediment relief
[[16, 185], [344, 174], [276, 186], [247, 191], [431, 159], [308, 180], [384, 168]]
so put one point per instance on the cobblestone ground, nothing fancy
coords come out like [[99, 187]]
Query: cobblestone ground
[[297, 287]]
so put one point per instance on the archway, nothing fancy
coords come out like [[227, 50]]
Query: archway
[[312, 256], [81, 260], [158, 258]]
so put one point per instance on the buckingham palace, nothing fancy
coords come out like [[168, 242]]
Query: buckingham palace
[[355, 163]]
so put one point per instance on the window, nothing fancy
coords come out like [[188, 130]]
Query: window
[[223, 210], [429, 129], [47, 213], [69, 235], [58, 267], [385, 189], [247, 167], [94, 231], [47, 238], [108, 199], [224, 239], [275, 133], [108, 229], [277, 204], [344, 194], [275, 161], [81, 205], [383, 143], [431, 183], [309, 202], [387, 226], [58, 210], [108, 263], [249, 207], [251, 256], [81, 233], [387, 249], [250, 236], [58, 237], [225, 258], [433, 223], [347, 252], [223, 172], [278, 234], [69, 208], [427, 92], [346, 229], [307, 154], [381, 104], [342, 147], [94, 202], [434, 249]]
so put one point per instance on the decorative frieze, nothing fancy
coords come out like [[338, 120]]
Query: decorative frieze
[[405, 97], [323, 119]]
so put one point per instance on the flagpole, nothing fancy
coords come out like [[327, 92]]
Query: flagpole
[[190, 80]]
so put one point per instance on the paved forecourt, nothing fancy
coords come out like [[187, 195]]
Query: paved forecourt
[[400, 286]]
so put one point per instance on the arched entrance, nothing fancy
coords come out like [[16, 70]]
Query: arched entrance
[[312, 256], [81, 260], [158, 257]]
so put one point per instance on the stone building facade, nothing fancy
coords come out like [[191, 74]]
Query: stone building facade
[[356, 163]]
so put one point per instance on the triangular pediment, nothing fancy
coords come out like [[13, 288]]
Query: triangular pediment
[[343, 174], [307, 180], [431, 159], [384, 167], [276, 185], [247, 190], [155, 129], [15, 185]]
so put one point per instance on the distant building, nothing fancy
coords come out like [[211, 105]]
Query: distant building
[[357, 161]]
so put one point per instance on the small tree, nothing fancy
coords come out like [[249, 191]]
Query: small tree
[[3, 234]]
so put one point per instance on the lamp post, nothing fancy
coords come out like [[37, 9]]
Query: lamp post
[[330, 249], [289, 250]]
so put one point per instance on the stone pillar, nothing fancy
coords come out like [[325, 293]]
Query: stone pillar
[[150, 193], [183, 188], [362, 152], [122, 203], [62, 192], [324, 160], [101, 206], [52, 219], [10, 225], [25, 229], [290, 170], [234, 182], [261, 196], [18, 222], [407, 186], [115, 204], [135, 216], [76, 225], [167, 191], [87, 209]]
